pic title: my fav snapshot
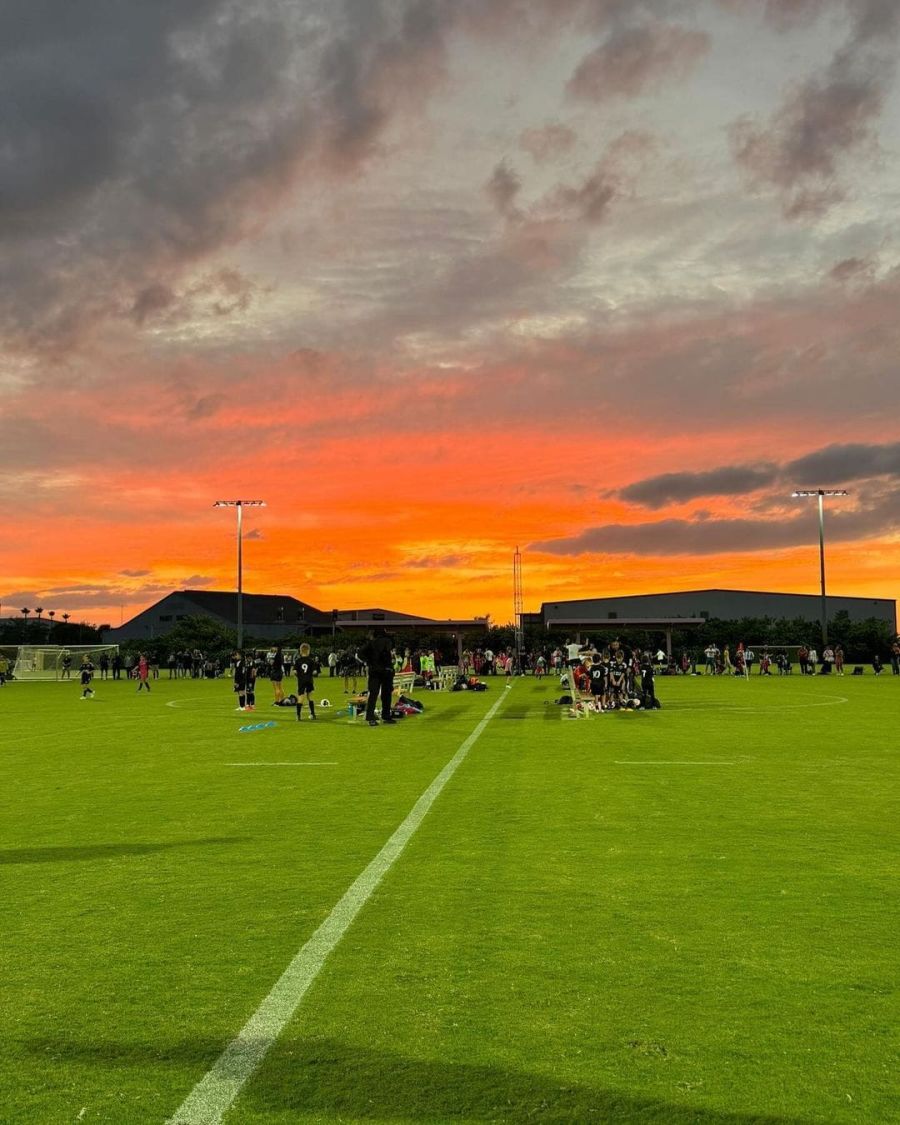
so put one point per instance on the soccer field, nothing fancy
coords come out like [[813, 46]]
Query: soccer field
[[682, 916]]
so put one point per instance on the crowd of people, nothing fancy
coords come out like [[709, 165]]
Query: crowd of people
[[616, 671]]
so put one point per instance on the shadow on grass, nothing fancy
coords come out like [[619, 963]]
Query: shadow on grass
[[74, 852], [343, 1082]]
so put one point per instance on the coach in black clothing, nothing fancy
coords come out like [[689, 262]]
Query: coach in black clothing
[[377, 654]]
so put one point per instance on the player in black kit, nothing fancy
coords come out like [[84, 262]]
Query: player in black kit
[[277, 673], [305, 667], [597, 672]]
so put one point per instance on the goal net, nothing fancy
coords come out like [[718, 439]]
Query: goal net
[[57, 662]]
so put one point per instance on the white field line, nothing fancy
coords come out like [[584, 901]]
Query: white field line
[[216, 1091]]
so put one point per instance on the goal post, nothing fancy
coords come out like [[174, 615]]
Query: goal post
[[48, 662]]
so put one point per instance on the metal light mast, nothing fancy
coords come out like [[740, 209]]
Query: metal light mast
[[820, 494], [240, 505], [518, 605]]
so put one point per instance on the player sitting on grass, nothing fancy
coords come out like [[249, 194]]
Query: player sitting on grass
[[87, 674], [305, 683]]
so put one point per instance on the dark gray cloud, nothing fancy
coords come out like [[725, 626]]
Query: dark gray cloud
[[831, 467], [827, 117], [139, 139], [136, 139], [837, 465], [634, 59], [868, 518], [676, 488]]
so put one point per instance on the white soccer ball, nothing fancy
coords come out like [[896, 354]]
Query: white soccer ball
[[325, 703]]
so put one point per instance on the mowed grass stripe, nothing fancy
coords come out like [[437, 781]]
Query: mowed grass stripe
[[213, 1095]]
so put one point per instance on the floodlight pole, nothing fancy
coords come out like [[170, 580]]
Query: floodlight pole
[[820, 494], [240, 505]]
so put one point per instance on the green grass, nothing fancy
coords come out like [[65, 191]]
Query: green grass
[[569, 936]]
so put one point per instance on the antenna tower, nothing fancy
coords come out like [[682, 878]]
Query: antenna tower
[[518, 605]]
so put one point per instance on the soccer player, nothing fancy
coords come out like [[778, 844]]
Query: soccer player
[[143, 670], [277, 674], [87, 674], [240, 679], [597, 672], [305, 669], [618, 679]]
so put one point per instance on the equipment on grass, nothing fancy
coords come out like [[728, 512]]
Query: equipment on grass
[[47, 662], [324, 702], [256, 726]]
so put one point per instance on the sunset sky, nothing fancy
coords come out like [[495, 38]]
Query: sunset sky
[[601, 279]]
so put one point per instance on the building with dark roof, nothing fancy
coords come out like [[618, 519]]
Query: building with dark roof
[[272, 617], [267, 616]]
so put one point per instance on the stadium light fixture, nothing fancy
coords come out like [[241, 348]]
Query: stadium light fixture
[[820, 494], [240, 505]]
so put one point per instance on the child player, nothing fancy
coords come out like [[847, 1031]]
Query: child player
[[143, 671], [597, 670], [87, 674], [240, 679], [304, 668]]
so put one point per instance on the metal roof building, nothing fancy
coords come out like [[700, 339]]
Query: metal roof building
[[728, 605]]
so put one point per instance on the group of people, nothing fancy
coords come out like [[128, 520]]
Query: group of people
[[743, 660], [140, 670], [617, 678], [376, 658]]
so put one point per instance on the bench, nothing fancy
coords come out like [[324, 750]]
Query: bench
[[583, 703], [445, 677], [404, 682]]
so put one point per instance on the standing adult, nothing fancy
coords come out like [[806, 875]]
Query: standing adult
[[377, 655], [143, 672], [277, 673]]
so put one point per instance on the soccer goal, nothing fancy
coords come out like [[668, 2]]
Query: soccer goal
[[50, 662]]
